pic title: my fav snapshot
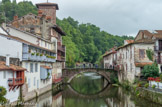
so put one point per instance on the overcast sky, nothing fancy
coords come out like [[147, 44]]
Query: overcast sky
[[118, 17]]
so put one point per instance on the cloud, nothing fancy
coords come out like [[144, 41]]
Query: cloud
[[118, 17]]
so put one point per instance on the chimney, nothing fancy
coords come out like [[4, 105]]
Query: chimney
[[15, 17], [7, 60], [40, 12]]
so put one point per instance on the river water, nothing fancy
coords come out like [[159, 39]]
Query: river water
[[90, 90]]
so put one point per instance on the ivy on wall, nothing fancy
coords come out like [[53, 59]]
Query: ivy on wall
[[150, 54]]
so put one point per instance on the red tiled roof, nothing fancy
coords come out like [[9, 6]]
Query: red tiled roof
[[46, 67], [142, 64], [12, 67], [130, 41]]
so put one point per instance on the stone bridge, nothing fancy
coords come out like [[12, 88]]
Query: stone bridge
[[69, 74]]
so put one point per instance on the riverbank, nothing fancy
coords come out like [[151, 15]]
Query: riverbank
[[148, 93]]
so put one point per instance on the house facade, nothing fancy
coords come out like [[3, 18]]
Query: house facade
[[131, 58], [12, 75], [43, 54], [110, 59]]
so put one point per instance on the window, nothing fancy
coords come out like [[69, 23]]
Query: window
[[34, 81], [31, 67], [141, 53], [36, 67], [32, 30], [4, 74], [28, 82], [26, 65]]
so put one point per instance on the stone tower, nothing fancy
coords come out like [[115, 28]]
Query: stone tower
[[48, 9]]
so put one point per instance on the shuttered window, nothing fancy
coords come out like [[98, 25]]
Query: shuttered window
[[31, 67], [141, 53]]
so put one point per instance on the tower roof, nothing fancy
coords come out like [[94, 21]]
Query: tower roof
[[47, 4]]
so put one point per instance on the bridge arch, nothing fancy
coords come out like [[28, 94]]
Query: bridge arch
[[69, 74]]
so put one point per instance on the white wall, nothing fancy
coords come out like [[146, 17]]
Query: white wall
[[30, 38], [33, 78], [12, 95], [12, 47]]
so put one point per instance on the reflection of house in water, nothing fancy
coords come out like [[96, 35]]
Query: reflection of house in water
[[44, 100], [57, 100], [122, 100]]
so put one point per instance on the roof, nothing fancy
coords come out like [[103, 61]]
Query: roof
[[142, 64], [59, 30], [144, 41], [47, 4], [151, 33], [12, 67], [46, 67], [106, 54], [26, 42], [129, 41]]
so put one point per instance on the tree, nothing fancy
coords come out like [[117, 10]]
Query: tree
[[150, 71]]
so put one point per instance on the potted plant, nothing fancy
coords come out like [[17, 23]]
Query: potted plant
[[37, 54], [33, 54]]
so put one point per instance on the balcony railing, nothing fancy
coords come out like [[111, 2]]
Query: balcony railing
[[15, 81], [60, 58], [29, 56], [157, 48]]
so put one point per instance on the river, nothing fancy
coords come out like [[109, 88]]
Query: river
[[90, 90]]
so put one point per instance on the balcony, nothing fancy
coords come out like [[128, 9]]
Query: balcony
[[35, 54], [158, 60], [15, 81], [157, 48], [60, 47], [61, 58]]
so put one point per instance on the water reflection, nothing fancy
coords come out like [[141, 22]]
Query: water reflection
[[109, 97], [88, 83]]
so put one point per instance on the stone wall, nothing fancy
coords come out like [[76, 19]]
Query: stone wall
[[33, 94]]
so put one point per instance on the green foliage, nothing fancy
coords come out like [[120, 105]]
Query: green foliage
[[153, 86], [37, 54], [33, 54], [146, 85], [126, 85], [150, 71], [114, 78], [13, 8], [150, 54], [41, 54], [161, 77], [86, 42], [3, 92]]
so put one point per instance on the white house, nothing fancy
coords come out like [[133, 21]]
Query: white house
[[11, 75]]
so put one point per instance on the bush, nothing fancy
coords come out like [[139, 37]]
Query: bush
[[150, 71], [37, 54], [153, 87], [3, 92], [146, 85]]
